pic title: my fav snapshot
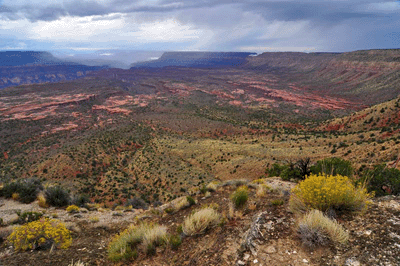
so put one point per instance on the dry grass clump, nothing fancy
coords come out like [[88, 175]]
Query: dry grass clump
[[316, 229], [126, 244], [213, 186], [324, 192], [235, 182], [77, 263], [200, 221], [42, 201], [262, 190]]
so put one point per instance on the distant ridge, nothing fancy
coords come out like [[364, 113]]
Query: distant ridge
[[29, 67], [25, 58], [196, 59]]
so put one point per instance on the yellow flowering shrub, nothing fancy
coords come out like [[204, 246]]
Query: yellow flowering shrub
[[72, 209], [324, 192], [39, 233]]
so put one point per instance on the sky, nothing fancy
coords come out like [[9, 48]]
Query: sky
[[199, 25]]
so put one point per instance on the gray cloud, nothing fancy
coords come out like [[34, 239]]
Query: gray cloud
[[334, 25]]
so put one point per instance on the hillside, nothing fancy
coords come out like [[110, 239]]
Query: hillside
[[158, 133], [373, 236], [154, 136]]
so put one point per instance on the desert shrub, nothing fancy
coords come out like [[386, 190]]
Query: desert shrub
[[125, 245], [333, 166], [169, 210], [72, 209], [275, 170], [277, 202], [291, 172], [40, 234], [383, 181], [240, 196], [324, 192], [190, 200], [27, 217], [27, 190], [137, 203], [304, 167], [200, 221], [235, 182], [80, 200], [315, 229], [175, 241], [57, 196]]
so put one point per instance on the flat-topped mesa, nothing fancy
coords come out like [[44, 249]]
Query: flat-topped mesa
[[196, 59]]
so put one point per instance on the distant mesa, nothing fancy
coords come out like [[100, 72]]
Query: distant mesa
[[26, 58], [196, 59], [29, 67]]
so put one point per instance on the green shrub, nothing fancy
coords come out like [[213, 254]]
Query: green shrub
[[277, 202], [27, 217], [315, 229], [57, 196], [80, 200], [40, 234], [240, 196], [27, 189], [275, 170], [291, 172], [175, 241], [190, 200], [329, 192], [333, 166], [137, 203], [383, 181]]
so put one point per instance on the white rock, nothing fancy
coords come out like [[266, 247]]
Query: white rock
[[255, 261], [246, 256], [305, 261]]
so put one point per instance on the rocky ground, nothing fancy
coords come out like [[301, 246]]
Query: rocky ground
[[263, 233]]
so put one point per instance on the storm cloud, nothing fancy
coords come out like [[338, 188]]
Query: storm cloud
[[270, 25]]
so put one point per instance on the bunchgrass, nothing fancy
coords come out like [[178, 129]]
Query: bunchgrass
[[315, 229], [200, 221]]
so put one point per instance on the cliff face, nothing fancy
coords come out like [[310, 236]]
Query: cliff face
[[196, 59], [371, 75], [19, 75]]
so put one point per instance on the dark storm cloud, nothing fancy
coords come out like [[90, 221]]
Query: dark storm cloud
[[320, 11]]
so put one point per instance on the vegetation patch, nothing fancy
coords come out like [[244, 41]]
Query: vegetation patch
[[328, 192], [43, 233], [200, 221], [315, 229], [126, 244], [240, 196]]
